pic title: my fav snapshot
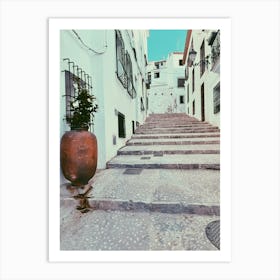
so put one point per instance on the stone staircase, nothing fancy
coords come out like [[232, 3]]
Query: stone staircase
[[161, 191], [171, 141]]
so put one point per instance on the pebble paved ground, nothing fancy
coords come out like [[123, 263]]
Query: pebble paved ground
[[124, 230]]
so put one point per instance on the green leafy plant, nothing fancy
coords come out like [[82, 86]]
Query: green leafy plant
[[83, 106]]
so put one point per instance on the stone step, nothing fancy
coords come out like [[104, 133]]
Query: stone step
[[167, 117], [189, 161], [169, 149], [173, 141], [182, 135], [174, 122], [168, 131], [193, 191], [172, 126]]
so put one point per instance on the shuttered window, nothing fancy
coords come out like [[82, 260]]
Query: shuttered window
[[202, 59], [216, 98]]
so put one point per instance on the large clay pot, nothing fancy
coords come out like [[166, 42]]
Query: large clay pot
[[78, 156]]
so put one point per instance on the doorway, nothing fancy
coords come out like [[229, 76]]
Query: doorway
[[202, 103]]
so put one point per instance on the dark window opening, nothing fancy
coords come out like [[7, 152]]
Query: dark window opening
[[181, 82], [216, 98], [121, 123], [142, 104], [188, 93], [193, 80], [146, 61], [182, 99], [149, 77], [156, 75], [134, 52], [180, 62], [133, 127], [193, 108]]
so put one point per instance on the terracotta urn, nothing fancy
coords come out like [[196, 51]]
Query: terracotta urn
[[78, 156]]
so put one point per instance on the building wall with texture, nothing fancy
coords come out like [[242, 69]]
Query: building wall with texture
[[196, 82]]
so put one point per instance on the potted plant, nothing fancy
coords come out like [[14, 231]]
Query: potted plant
[[78, 147]]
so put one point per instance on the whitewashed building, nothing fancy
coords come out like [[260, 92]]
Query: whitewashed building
[[166, 91], [111, 64], [202, 72]]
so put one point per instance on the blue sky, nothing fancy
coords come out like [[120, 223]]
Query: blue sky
[[162, 42]]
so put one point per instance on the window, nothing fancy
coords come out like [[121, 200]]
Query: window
[[71, 81], [186, 73], [148, 81], [181, 82], [182, 99], [216, 98], [124, 66], [121, 123], [202, 59], [180, 62], [120, 59], [130, 86], [157, 65], [134, 52], [145, 59], [188, 93], [193, 80], [142, 107], [156, 75], [193, 108]]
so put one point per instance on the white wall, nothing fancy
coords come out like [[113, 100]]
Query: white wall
[[111, 96]]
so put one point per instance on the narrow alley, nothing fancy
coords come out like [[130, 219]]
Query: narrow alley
[[159, 193]]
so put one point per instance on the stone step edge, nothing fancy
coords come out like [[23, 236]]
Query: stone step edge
[[134, 143], [150, 132], [173, 136], [172, 125], [176, 128], [168, 152], [188, 166], [163, 206]]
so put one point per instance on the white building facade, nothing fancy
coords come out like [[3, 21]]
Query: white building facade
[[202, 73], [166, 91], [111, 64]]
